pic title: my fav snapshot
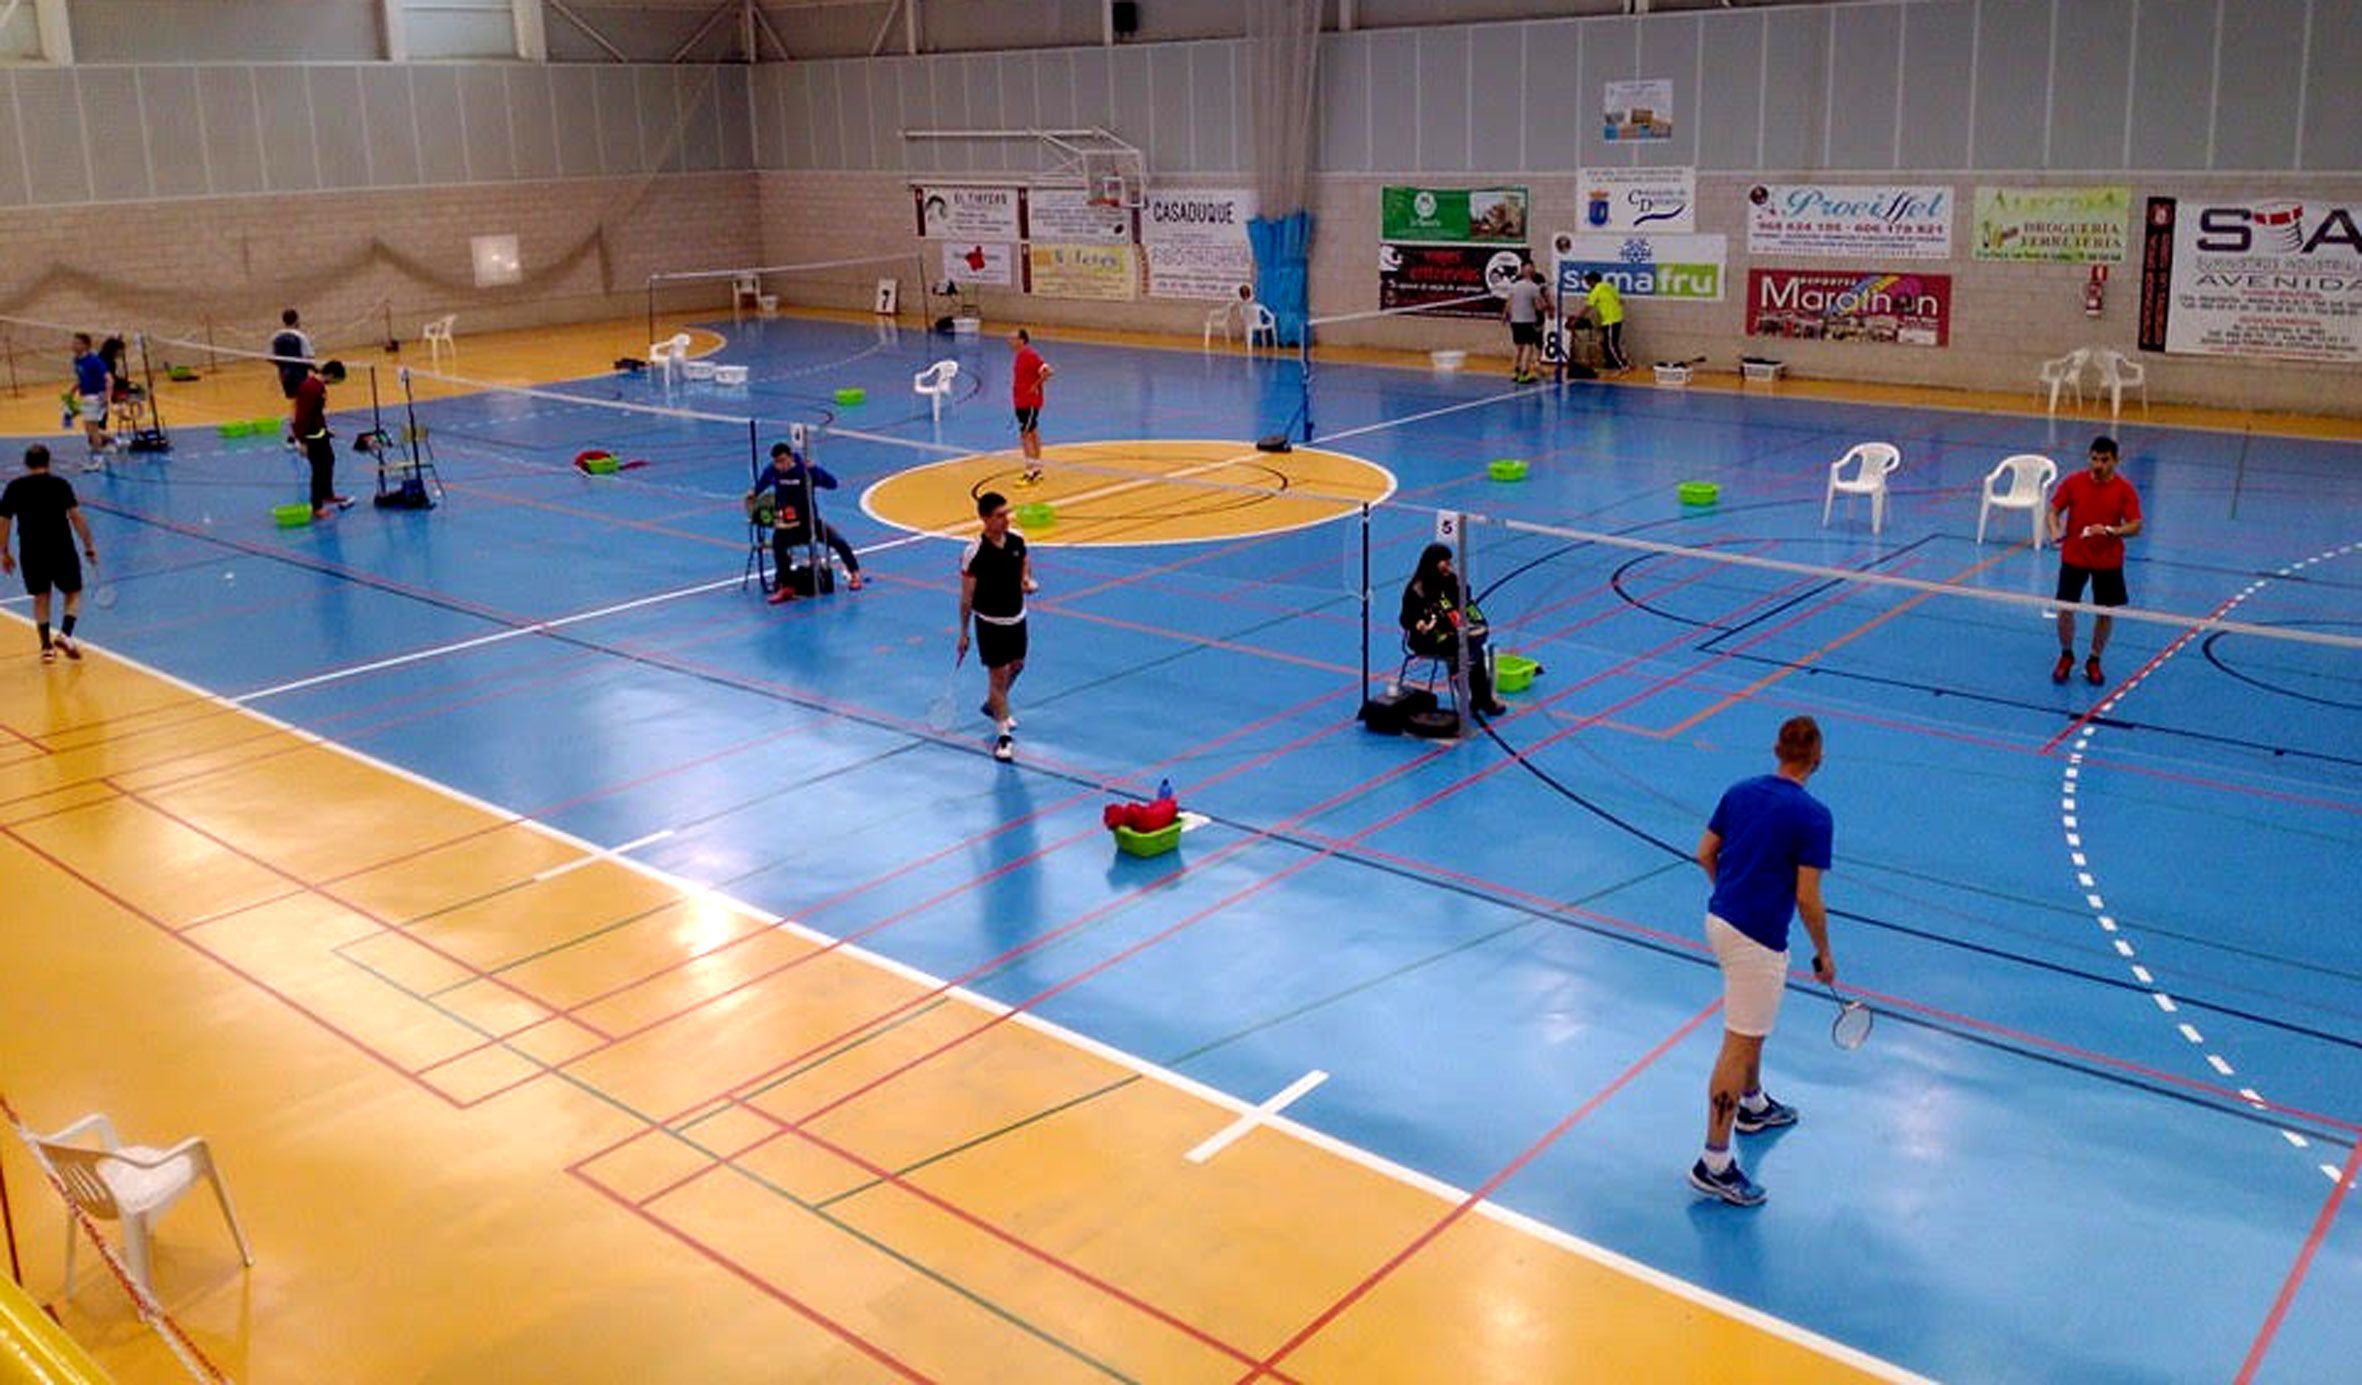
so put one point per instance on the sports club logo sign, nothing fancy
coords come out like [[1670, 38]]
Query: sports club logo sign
[[1453, 216], [1850, 305], [1676, 268], [1638, 199], [2277, 278], [1416, 276]]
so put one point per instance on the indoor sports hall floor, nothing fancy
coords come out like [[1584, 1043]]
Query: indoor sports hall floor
[[655, 991]]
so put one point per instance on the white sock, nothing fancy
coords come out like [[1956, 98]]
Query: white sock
[[1754, 1101], [1717, 1160]]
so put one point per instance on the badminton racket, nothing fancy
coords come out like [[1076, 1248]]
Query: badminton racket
[[104, 594], [1851, 1029], [944, 710]]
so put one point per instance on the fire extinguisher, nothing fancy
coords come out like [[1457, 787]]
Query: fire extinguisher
[[2095, 291]]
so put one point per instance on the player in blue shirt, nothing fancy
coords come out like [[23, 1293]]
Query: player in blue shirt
[[795, 521], [1764, 850], [93, 389]]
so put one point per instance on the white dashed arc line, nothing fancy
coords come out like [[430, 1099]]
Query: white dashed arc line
[[2086, 880]]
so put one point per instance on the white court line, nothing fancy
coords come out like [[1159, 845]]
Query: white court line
[[1235, 1131], [1383, 424], [1449, 1194], [610, 854]]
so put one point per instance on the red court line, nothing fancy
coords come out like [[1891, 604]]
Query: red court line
[[761, 1285], [2116, 693], [1268, 1364], [2303, 1266]]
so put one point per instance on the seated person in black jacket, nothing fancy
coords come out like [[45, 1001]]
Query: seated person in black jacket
[[1433, 622], [788, 485]]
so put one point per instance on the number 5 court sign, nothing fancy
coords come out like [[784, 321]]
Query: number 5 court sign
[[2272, 277]]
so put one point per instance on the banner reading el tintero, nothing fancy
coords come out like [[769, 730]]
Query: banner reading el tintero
[[1908, 309], [2271, 277]]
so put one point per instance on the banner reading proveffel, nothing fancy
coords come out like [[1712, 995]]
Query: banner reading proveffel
[[2278, 278], [1869, 223], [1850, 305], [1196, 242]]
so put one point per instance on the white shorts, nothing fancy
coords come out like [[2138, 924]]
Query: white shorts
[[1753, 979], [94, 408]]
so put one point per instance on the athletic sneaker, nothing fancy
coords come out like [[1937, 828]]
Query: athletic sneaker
[[1032, 477], [782, 592], [2091, 671], [1005, 749], [67, 647], [852, 581], [1732, 1185], [1774, 1113], [96, 462], [342, 502], [48, 654], [2065, 666]]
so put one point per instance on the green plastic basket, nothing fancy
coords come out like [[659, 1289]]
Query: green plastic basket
[[852, 394], [1514, 672], [600, 466], [291, 516], [1507, 469], [1699, 492], [237, 428], [1155, 843], [1038, 514]]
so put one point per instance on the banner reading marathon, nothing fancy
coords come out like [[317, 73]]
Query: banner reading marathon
[[1413, 276], [1196, 242], [1908, 309], [2276, 278]]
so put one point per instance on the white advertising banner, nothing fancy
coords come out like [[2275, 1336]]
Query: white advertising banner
[[2269, 277], [1638, 199], [1687, 267], [1196, 241], [979, 263], [1068, 215], [1855, 223], [965, 213]]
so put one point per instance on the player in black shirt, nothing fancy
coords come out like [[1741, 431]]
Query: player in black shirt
[[42, 511], [996, 573]]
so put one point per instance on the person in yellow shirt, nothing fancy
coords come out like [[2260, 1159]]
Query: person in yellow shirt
[[1604, 306]]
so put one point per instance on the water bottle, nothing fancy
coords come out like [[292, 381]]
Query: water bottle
[[1164, 788]]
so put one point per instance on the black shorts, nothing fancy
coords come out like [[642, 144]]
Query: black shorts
[[44, 569], [2107, 584], [1029, 420], [1525, 333], [998, 646]]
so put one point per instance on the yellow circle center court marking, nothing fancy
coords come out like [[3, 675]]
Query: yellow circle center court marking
[[1166, 490]]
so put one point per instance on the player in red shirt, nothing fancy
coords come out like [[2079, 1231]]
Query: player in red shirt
[[2092, 513], [1026, 375]]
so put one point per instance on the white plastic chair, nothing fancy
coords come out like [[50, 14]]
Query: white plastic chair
[[665, 357], [2029, 476], [935, 383], [1217, 321], [437, 335], [131, 1184], [1262, 324], [1873, 462], [2118, 370], [2066, 371], [745, 290]]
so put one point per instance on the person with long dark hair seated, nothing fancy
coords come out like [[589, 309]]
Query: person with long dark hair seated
[[1434, 621]]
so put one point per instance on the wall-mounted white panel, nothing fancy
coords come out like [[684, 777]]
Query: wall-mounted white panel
[[1796, 86], [660, 119], [1171, 101], [339, 126], [2255, 111], [483, 107], [1020, 108], [1496, 106], [702, 108], [1861, 128], [437, 34], [733, 118], [2013, 78], [857, 97], [2087, 98], [393, 137], [1217, 116], [886, 122], [795, 117], [1094, 88], [827, 128], [109, 102], [233, 134], [1611, 53], [13, 191], [175, 135], [1669, 49], [2172, 83], [1730, 103], [1556, 109], [618, 100], [286, 106], [528, 92], [223, 31], [1394, 100], [1442, 126], [1135, 100], [442, 131], [2333, 116], [574, 111], [1938, 40]]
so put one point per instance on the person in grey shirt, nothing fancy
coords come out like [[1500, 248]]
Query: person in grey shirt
[[1526, 304]]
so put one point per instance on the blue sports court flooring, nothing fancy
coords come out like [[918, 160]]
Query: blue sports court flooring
[[2099, 1132]]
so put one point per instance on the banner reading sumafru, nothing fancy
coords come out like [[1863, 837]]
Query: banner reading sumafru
[[1196, 242], [1687, 268]]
